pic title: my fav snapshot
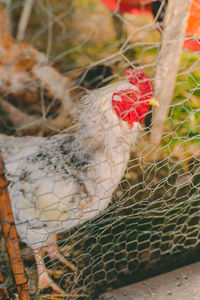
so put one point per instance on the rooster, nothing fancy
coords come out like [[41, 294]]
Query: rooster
[[60, 182]]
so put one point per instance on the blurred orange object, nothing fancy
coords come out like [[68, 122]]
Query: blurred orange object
[[193, 28], [141, 7], [192, 41], [137, 7]]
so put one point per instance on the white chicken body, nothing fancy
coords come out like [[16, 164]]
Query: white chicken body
[[59, 182]]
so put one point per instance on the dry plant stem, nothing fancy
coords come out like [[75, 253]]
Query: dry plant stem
[[3, 291], [24, 19], [11, 238], [175, 23]]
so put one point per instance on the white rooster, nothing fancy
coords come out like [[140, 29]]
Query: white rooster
[[59, 182]]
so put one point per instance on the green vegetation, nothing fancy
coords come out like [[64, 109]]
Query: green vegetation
[[151, 203]]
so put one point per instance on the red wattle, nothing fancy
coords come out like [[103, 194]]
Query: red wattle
[[131, 108]]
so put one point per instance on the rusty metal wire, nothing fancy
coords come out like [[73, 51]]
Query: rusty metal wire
[[152, 222], [4, 281], [11, 239]]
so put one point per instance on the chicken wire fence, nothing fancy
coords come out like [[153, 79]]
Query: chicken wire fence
[[71, 49]]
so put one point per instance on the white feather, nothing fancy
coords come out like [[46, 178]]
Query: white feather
[[60, 182]]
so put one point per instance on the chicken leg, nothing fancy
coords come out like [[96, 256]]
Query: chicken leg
[[44, 279], [53, 252]]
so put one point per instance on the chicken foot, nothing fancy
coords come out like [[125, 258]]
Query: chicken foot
[[53, 252]]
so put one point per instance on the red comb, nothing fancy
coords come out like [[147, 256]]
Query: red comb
[[139, 74], [140, 79]]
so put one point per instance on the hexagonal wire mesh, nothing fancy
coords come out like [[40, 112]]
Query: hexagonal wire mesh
[[62, 180]]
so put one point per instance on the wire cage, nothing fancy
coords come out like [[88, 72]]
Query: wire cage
[[53, 55]]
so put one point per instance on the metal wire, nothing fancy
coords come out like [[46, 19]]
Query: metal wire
[[152, 222]]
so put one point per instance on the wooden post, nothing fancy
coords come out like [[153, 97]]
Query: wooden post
[[175, 23], [11, 238]]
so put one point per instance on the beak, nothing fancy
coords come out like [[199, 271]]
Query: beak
[[154, 102]]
